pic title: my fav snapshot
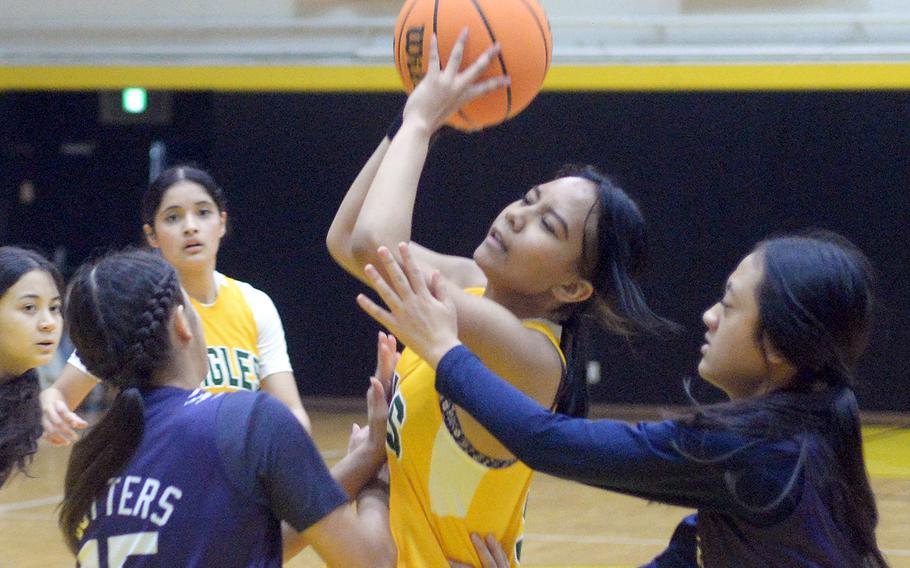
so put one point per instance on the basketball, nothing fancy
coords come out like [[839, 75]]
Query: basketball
[[519, 26]]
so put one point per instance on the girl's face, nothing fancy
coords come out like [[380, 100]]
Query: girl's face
[[188, 227], [732, 357], [30, 323], [535, 243]]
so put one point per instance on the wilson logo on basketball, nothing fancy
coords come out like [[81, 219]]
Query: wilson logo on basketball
[[414, 50]]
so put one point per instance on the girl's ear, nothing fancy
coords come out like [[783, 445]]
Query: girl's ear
[[150, 237], [182, 325], [781, 370], [573, 291], [224, 218]]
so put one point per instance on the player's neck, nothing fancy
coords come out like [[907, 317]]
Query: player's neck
[[181, 374], [524, 306], [200, 285]]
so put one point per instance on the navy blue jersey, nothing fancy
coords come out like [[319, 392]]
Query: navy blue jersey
[[208, 486], [745, 517]]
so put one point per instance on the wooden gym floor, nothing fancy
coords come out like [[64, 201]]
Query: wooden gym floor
[[569, 525]]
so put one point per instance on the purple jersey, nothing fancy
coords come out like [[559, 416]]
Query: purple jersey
[[208, 486]]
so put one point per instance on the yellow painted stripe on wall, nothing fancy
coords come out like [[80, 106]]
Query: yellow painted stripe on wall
[[640, 77]]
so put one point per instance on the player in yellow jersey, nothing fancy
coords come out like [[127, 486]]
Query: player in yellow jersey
[[567, 250], [185, 217]]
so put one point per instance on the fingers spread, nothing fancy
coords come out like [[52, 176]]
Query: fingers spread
[[374, 311], [415, 277], [479, 66], [399, 280], [433, 63], [454, 62]]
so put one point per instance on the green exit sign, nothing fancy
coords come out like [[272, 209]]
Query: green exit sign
[[134, 100]]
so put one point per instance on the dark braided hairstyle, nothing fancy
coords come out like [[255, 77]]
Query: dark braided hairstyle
[[20, 409], [613, 258], [118, 309]]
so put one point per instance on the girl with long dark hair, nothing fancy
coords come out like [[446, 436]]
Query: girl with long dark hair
[[567, 250], [776, 473], [31, 322], [187, 477]]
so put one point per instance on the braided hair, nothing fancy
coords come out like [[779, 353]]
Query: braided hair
[[20, 409], [118, 309]]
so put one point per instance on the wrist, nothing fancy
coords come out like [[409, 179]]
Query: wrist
[[436, 353], [418, 125], [395, 125], [371, 454]]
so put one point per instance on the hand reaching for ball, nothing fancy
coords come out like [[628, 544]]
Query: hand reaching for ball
[[443, 91]]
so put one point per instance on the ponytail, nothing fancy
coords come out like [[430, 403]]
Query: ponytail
[[100, 455], [118, 310]]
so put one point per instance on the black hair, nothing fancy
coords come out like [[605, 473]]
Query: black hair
[[118, 309], [815, 304], [614, 255], [20, 409], [152, 197]]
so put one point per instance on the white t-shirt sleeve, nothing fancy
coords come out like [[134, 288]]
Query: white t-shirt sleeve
[[273, 348], [75, 361]]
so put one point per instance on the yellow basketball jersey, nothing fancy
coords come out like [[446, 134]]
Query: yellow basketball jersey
[[232, 339], [439, 493]]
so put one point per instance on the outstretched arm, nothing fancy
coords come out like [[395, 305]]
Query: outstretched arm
[[643, 460], [58, 402], [357, 471], [369, 522], [380, 204]]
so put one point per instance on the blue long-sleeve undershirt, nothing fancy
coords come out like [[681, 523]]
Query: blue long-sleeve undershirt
[[660, 461]]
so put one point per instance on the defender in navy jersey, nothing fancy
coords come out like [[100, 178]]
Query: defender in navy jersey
[[777, 473], [177, 476]]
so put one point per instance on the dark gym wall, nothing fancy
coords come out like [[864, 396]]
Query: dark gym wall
[[714, 173]]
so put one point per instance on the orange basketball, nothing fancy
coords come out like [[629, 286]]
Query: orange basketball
[[519, 26]]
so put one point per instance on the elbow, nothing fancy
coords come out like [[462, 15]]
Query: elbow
[[338, 245], [352, 250], [362, 247]]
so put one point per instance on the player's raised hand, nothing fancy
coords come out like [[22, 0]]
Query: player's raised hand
[[387, 357], [444, 90], [58, 421], [418, 313]]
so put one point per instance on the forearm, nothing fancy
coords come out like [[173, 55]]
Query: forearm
[[292, 542], [357, 468], [639, 460], [338, 239], [73, 386], [373, 516], [386, 214]]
